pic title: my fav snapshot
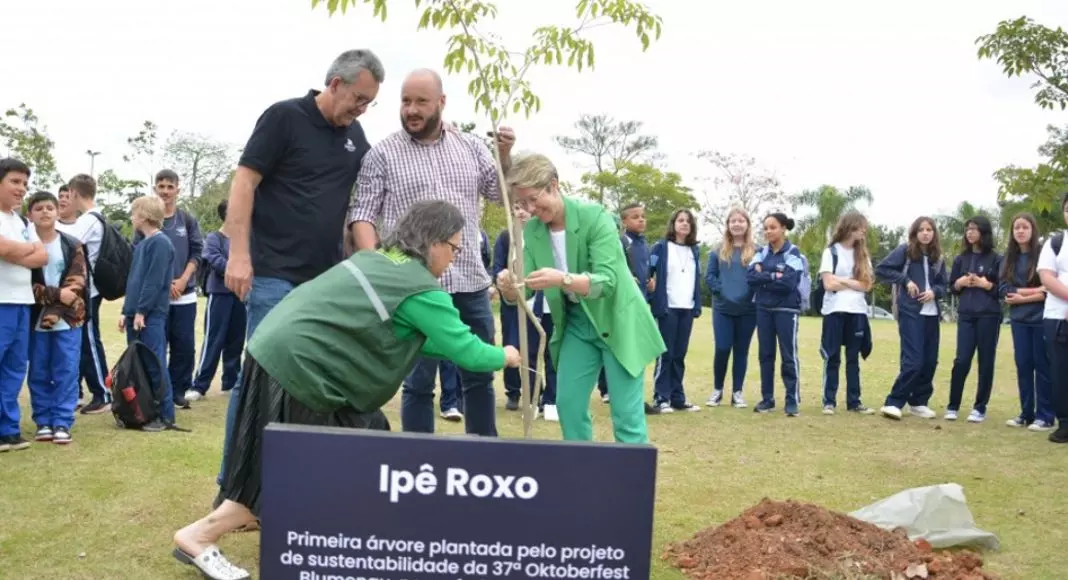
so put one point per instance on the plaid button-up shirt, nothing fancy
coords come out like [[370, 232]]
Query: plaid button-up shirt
[[457, 168]]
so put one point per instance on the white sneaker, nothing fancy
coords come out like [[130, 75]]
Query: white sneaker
[[665, 408], [452, 414], [950, 416], [1040, 425], [828, 409], [976, 417], [551, 414], [738, 400], [922, 411], [715, 399], [605, 398], [1016, 422], [192, 395], [690, 407], [891, 411]]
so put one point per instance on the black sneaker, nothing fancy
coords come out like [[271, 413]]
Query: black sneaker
[[651, 410], [96, 408], [764, 407], [61, 436], [1060, 435], [181, 403], [512, 404], [13, 443]]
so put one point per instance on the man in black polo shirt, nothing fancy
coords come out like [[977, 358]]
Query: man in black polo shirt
[[292, 189]]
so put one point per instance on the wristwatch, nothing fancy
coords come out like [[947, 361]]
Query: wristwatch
[[568, 279]]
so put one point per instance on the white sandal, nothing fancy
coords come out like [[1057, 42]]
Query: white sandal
[[212, 564]]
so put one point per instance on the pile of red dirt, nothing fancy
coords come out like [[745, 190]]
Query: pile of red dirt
[[773, 540]]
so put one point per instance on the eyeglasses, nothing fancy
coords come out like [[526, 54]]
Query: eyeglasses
[[528, 203], [455, 249]]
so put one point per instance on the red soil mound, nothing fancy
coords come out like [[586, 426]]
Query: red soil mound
[[773, 540]]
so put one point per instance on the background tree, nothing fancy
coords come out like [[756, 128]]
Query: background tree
[[144, 151], [26, 139], [609, 145], [882, 240], [1025, 48], [493, 219], [197, 159], [660, 192], [737, 181], [499, 85]]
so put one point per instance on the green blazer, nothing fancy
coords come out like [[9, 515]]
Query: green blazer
[[615, 305]]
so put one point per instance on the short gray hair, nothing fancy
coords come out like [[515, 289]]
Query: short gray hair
[[424, 224], [347, 66]]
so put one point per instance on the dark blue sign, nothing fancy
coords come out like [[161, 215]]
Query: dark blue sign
[[353, 504]]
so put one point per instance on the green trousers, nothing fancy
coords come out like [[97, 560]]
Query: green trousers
[[582, 355]]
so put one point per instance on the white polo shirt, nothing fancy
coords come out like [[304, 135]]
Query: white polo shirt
[[15, 284]]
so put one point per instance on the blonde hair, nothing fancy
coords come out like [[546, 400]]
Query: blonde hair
[[748, 245], [531, 170], [150, 208], [848, 223]]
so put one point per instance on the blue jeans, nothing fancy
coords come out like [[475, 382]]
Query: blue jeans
[[14, 358], [417, 400], [733, 335], [1032, 373], [53, 380], [264, 295], [451, 396], [154, 336]]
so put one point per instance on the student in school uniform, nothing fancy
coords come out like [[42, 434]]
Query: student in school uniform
[[846, 272], [775, 274], [147, 303], [917, 272], [1053, 271], [733, 310], [59, 290], [974, 278], [676, 265], [225, 319], [1021, 288]]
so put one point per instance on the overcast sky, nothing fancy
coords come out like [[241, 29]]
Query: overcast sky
[[846, 92]]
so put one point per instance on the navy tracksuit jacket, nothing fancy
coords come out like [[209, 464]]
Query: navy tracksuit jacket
[[774, 277]]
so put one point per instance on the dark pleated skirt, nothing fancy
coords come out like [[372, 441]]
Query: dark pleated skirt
[[262, 400]]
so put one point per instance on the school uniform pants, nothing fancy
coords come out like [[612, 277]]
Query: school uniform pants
[[53, 378], [181, 338], [778, 326], [675, 328], [1032, 372], [842, 330], [583, 353], [451, 393], [14, 358], [1056, 332], [224, 337], [93, 367], [510, 336], [919, 339], [733, 334], [154, 336], [417, 398], [974, 333]]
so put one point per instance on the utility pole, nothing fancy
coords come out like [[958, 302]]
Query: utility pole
[[92, 162]]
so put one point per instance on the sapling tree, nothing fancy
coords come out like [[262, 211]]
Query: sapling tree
[[499, 86]]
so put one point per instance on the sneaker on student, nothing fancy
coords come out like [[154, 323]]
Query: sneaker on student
[[792, 410], [95, 408], [1016, 422], [61, 436], [664, 407], [976, 417], [651, 409], [1040, 425], [512, 404], [193, 395], [43, 434], [688, 407], [862, 410], [605, 398], [1060, 435], [452, 414], [922, 411], [738, 400], [13, 443], [891, 412], [950, 416], [764, 407], [715, 399], [828, 409], [551, 414]]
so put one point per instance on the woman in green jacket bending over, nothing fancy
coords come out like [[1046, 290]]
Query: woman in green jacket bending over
[[572, 254], [337, 349]]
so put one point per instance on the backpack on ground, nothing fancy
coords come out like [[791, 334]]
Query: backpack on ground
[[819, 292], [135, 401], [113, 262]]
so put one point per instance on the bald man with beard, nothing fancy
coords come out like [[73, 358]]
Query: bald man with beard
[[430, 160]]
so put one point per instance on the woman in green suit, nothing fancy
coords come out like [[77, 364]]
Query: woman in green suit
[[572, 254]]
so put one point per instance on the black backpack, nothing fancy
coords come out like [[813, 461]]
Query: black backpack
[[1055, 242], [819, 291], [113, 262], [135, 402]]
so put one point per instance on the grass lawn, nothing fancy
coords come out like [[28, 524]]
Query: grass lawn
[[107, 505]]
